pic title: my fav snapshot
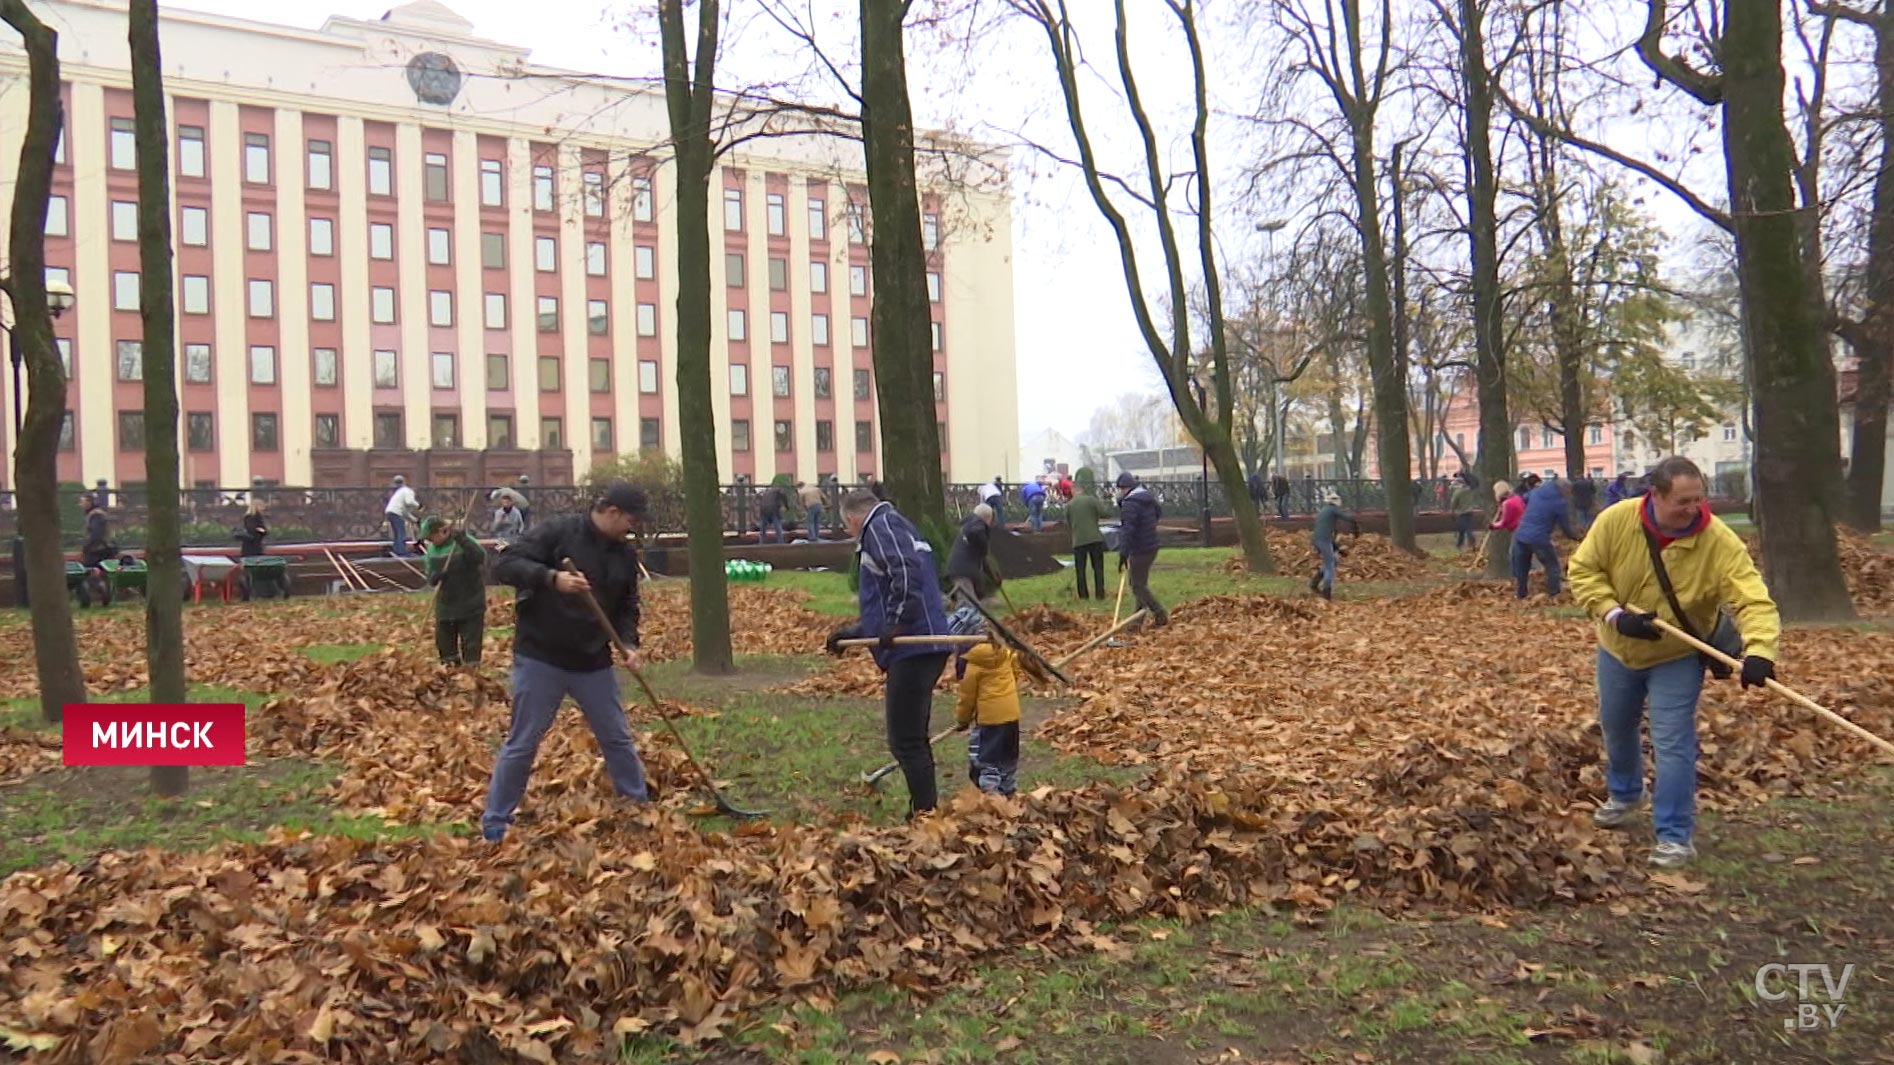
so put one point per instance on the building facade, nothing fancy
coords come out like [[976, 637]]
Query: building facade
[[399, 244]]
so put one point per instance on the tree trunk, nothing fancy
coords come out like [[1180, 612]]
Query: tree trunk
[[164, 608], [35, 469], [688, 100], [1386, 366], [1495, 446], [1875, 353], [903, 339], [1797, 425]]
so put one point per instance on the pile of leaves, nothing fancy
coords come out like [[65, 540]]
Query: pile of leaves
[[1369, 557], [1869, 571]]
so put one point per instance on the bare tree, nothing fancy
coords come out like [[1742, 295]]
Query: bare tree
[[35, 470]]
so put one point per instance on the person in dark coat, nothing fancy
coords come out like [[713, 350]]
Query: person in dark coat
[[255, 528], [1138, 513], [969, 572], [1259, 492], [1279, 487]]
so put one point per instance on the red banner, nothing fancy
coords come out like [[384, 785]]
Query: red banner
[[147, 734]]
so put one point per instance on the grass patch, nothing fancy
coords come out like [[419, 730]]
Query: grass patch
[[25, 713], [330, 653]]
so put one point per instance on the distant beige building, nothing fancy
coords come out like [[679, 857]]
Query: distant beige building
[[402, 247]]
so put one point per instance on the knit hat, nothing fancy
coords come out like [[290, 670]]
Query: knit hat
[[1125, 480], [430, 526]]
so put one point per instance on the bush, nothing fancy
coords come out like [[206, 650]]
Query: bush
[[654, 471]]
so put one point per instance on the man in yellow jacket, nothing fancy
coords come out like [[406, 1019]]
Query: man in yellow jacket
[[1615, 580], [989, 702]]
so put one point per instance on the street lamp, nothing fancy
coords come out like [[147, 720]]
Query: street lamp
[[59, 300], [1203, 487]]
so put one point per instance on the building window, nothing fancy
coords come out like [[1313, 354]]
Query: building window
[[131, 360], [650, 434], [785, 436], [779, 275], [542, 188], [593, 194], [857, 230], [733, 269], [67, 439], [740, 434], [779, 381], [824, 382], [818, 276], [262, 365], [595, 258], [546, 254], [818, 219], [864, 437], [739, 379], [434, 176], [125, 290], [131, 430], [825, 436], [641, 199], [321, 165], [648, 376], [124, 146], [1525, 438], [381, 240], [492, 184], [322, 302], [196, 294], [440, 247], [1594, 435], [199, 434], [197, 364], [940, 387], [493, 251], [388, 428], [819, 330], [440, 308], [495, 308], [124, 220], [647, 319], [257, 231], [733, 210], [190, 151], [381, 306], [500, 430], [773, 213], [549, 373], [1729, 434], [262, 298], [1545, 437], [328, 430], [263, 432], [441, 369], [321, 236], [387, 369], [381, 172], [739, 324], [256, 158], [861, 384], [933, 287], [325, 368], [549, 314], [498, 377], [597, 321], [56, 222], [933, 329], [193, 225], [552, 433], [858, 281], [930, 231], [645, 262], [598, 375], [779, 327], [602, 435], [858, 332]]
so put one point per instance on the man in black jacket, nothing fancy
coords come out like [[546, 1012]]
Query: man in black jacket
[[1138, 512], [559, 648], [967, 569]]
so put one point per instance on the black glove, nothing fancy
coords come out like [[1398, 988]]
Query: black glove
[[1636, 626], [887, 640], [833, 644], [1756, 670], [1123, 561]]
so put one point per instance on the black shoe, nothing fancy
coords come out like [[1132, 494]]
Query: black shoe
[[1328, 593], [1315, 584]]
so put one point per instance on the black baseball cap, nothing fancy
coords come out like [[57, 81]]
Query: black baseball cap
[[626, 497]]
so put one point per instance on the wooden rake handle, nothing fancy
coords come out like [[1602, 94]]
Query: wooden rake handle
[[1772, 684], [908, 641], [1101, 638]]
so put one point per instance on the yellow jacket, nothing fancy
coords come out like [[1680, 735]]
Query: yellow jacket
[[1709, 569], [990, 690]]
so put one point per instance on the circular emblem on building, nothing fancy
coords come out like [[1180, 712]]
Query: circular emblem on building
[[434, 78]]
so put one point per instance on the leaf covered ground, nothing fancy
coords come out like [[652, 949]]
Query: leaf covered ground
[[1427, 755]]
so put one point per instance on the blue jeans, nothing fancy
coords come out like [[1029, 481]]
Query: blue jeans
[[1463, 530], [815, 523], [993, 758], [1325, 549], [770, 520], [1522, 557], [1282, 506], [538, 689], [1036, 513], [1672, 688], [398, 535]]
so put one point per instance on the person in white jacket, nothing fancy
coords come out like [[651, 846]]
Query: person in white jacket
[[402, 508]]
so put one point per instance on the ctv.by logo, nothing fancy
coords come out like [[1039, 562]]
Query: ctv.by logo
[[1816, 1008]]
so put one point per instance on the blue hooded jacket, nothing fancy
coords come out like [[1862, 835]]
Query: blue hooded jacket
[[1138, 513], [899, 593], [1546, 508]]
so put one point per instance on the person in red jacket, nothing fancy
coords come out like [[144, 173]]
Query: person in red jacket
[[1512, 507]]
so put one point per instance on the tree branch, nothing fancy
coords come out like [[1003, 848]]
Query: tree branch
[[1706, 88]]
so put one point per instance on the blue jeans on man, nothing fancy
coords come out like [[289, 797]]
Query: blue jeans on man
[[771, 519], [1463, 530], [1036, 513], [398, 535], [1330, 561], [1672, 689], [1522, 556], [815, 523], [1282, 506], [538, 690]]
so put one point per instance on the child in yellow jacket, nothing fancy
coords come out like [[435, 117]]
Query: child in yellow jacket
[[989, 702]]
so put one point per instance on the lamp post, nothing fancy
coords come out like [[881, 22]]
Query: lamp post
[[1203, 486]]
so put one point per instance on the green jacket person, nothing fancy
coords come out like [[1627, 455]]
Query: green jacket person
[[456, 567]]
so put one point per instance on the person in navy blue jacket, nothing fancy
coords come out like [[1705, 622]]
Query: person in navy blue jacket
[[1547, 507], [1138, 512], [899, 595]]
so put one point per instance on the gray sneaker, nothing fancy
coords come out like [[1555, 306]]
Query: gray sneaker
[[1616, 812], [1668, 855]]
